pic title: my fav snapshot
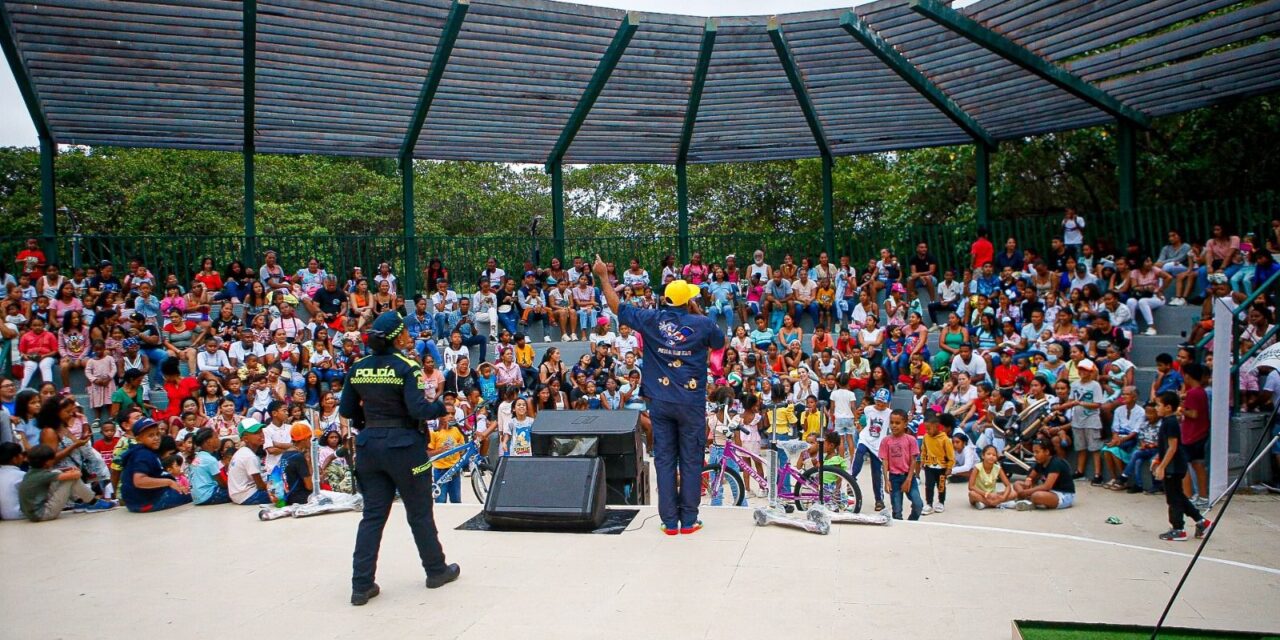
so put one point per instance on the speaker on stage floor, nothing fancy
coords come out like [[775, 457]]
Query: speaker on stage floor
[[613, 436], [547, 493]]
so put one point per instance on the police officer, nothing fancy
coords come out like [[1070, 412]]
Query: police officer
[[677, 341], [383, 397]]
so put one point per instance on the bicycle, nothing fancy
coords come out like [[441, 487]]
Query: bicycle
[[471, 460], [720, 480]]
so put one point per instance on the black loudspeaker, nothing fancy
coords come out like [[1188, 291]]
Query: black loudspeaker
[[613, 436], [547, 493]]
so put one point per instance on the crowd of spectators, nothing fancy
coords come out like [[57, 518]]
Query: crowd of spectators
[[197, 386]]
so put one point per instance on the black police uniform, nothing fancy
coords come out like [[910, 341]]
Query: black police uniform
[[383, 396]]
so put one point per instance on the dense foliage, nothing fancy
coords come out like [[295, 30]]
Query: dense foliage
[[1211, 153]]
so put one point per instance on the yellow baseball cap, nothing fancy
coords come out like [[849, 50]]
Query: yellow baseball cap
[[679, 292]]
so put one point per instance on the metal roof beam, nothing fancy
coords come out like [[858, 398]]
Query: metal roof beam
[[1002, 46], [9, 43], [598, 80], [797, 86], [863, 33], [695, 92], [439, 60]]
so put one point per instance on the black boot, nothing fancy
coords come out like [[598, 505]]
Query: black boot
[[361, 598], [441, 579]]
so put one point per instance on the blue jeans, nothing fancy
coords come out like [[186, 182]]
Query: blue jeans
[[259, 497], [587, 318], [679, 435], [424, 346], [877, 470], [156, 355], [1140, 459], [450, 491], [220, 496], [167, 500], [721, 310], [480, 341], [811, 308], [895, 496], [508, 320], [442, 326], [894, 366]]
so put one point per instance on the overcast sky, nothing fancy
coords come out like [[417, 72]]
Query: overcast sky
[[16, 128]]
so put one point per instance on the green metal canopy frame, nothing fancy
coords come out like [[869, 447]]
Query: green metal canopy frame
[[527, 81]]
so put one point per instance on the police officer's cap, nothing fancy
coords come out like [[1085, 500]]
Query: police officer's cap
[[387, 325]]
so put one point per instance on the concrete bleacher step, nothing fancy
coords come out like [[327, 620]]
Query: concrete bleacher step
[[1144, 350], [1175, 320]]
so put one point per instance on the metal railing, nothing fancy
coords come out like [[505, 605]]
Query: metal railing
[[465, 256]]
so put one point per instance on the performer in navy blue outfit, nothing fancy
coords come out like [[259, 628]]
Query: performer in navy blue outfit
[[677, 340]]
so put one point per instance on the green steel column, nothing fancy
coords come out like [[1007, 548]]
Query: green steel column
[[48, 199], [682, 203], [828, 206], [983, 156], [410, 274], [557, 208], [249, 78], [1127, 165]]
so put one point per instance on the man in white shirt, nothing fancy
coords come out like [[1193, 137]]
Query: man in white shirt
[[949, 292], [1072, 231], [246, 346], [966, 362], [444, 302]]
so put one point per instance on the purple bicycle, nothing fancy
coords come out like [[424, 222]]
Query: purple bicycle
[[722, 480]]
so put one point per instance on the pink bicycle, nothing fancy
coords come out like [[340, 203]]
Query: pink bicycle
[[722, 480]]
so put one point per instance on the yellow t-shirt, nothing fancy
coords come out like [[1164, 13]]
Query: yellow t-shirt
[[826, 297], [811, 424], [446, 438], [781, 418], [524, 355]]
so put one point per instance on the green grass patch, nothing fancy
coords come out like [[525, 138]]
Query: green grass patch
[[1079, 631]]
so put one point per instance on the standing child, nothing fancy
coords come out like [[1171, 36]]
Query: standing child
[[517, 433], [1195, 433], [988, 484], [101, 372], [1086, 419], [444, 437], [937, 457], [901, 455], [870, 438], [1171, 467], [106, 447]]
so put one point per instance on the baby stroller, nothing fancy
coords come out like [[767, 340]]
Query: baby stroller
[[1018, 431]]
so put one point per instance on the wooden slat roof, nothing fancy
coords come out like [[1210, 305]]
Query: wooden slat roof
[[342, 77]]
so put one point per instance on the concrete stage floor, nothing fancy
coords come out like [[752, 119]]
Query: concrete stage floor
[[217, 572]]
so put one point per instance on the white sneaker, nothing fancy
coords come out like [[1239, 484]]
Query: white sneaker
[[1151, 331], [1007, 504], [1177, 302], [927, 510], [546, 338], [939, 508], [1024, 505], [980, 506]]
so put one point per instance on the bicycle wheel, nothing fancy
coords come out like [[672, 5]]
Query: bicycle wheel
[[728, 487], [807, 495], [481, 480]]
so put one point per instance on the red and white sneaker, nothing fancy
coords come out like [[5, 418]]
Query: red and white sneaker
[[1203, 527]]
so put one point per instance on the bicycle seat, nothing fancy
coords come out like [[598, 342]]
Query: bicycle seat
[[793, 448]]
